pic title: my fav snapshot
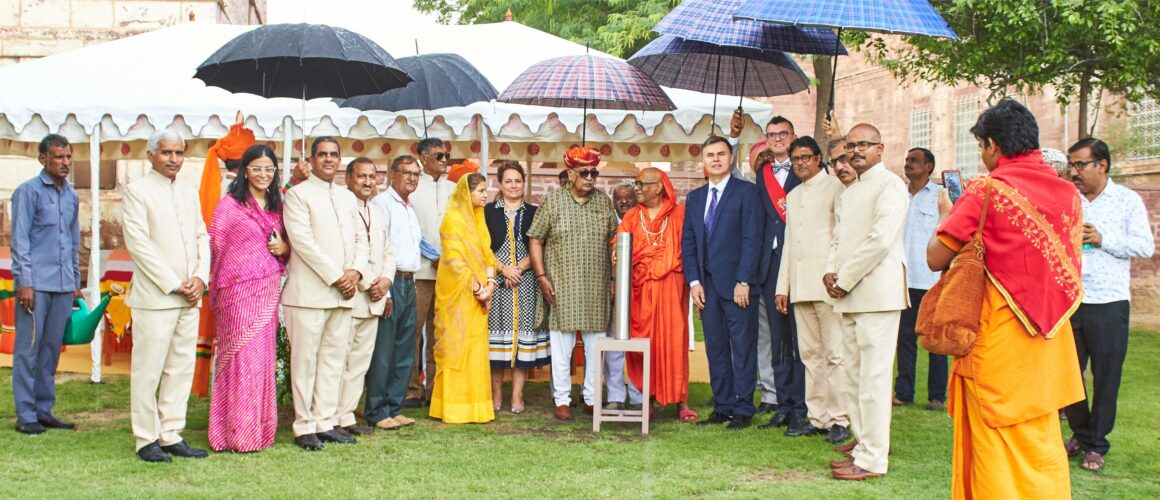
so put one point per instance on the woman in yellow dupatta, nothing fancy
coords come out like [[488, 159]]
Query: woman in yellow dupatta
[[463, 287]]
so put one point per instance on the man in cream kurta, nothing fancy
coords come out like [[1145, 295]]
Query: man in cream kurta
[[371, 299], [166, 237], [430, 202], [866, 280], [328, 258], [809, 229]]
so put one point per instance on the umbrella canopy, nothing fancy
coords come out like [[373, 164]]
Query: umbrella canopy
[[905, 17], [711, 21], [296, 60], [709, 68], [441, 81], [587, 81]]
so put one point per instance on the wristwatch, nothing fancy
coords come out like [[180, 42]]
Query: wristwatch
[[743, 283]]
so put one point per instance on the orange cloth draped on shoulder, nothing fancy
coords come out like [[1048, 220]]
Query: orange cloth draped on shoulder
[[1004, 396], [660, 298], [230, 147]]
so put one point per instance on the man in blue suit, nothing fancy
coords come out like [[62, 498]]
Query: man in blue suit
[[720, 253], [777, 356]]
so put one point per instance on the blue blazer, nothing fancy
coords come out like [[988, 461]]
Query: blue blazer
[[774, 227], [732, 255]]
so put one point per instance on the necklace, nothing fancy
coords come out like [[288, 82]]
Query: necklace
[[651, 238]]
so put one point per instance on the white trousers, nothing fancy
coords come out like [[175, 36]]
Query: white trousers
[[765, 355], [870, 340], [562, 345], [363, 333], [319, 340], [820, 344], [164, 350]]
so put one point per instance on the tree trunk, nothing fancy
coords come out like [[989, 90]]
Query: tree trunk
[[823, 73], [1085, 89]]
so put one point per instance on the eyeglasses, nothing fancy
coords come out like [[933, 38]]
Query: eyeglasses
[[441, 156], [588, 172], [1080, 165], [409, 173], [777, 136], [262, 170], [861, 145], [842, 159], [801, 159], [641, 184]]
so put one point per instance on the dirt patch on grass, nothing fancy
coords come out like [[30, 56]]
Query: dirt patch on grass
[[778, 476], [64, 378], [100, 419]]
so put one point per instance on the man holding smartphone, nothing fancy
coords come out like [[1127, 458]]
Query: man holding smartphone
[[921, 221]]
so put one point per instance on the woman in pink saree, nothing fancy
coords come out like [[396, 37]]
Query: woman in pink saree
[[246, 268]]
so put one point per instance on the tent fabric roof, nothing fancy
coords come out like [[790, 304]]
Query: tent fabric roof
[[137, 84]]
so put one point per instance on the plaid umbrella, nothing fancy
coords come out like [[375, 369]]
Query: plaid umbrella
[[711, 21], [698, 66], [906, 17], [587, 81]]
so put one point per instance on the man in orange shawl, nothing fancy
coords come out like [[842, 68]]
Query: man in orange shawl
[[228, 150], [1005, 395], [660, 299]]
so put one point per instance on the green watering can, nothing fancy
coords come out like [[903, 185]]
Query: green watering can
[[82, 324]]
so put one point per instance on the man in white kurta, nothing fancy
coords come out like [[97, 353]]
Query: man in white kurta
[[371, 299], [809, 229], [328, 258], [167, 239], [866, 278]]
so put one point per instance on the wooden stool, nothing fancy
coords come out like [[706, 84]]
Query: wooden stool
[[643, 346]]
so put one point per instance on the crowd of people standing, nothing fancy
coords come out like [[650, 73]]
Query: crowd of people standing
[[807, 283]]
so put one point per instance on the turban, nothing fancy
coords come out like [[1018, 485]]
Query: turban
[[229, 147], [461, 169], [581, 156]]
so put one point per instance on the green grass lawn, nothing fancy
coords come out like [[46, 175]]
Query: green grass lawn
[[532, 455]]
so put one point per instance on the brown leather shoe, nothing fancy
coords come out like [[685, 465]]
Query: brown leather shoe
[[841, 464], [587, 408], [563, 414], [846, 448], [853, 473]]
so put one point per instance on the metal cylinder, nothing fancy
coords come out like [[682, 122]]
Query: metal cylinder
[[623, 284]]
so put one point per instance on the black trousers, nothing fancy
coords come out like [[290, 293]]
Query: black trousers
[[936, 379], [1101, 335]]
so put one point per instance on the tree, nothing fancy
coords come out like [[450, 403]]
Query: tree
[[1073, 46]]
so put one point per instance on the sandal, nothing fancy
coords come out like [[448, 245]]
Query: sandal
[[689, 416], [1092, 461], [1072, 447]]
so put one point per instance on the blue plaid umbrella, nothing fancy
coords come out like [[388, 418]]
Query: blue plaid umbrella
[[904, 17], [711, 21]]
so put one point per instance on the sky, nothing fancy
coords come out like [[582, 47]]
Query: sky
[[344, 13]]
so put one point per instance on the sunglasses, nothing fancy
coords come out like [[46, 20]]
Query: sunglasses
[[842, 159], [588, 172], [642, 184], [441, 156]]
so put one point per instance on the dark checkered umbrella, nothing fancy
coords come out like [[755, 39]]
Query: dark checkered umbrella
[[711, 21], [708, 68]]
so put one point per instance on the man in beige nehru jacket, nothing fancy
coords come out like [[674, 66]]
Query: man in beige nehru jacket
[[866, 281], [371, 299], [166, 237], [328, 258]]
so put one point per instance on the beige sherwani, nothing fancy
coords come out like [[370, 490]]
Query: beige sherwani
[[365, 314], [166, 237], [321, 220], [430, 201], [868, 257], [809, 229]]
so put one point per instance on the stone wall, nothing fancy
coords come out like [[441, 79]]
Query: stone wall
[[1146, 272]]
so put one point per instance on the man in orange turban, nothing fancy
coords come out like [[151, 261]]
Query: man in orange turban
[[660, 298]]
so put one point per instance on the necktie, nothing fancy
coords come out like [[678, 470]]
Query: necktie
[[709, 216], [776, 167]]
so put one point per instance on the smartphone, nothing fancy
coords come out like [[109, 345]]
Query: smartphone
[[953, 182], [273, 236]]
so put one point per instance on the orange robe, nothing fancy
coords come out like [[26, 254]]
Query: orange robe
[[1004, 398], [660, 302]]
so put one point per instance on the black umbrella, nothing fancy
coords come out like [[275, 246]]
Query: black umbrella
[[441, 81]]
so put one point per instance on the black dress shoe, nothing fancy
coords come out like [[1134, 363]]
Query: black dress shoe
[[799, 426], [152, 453], [766, 408], [308, 442], [181, 449], [359, 430], [738, 423], [341, 431], [29, 427], [778, 420], [333, 437], [837, 434], [715, 418], [54, 423], [412, 403]]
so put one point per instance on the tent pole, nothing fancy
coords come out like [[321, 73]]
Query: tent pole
[[484, 146], [287, 147], [94, 278]]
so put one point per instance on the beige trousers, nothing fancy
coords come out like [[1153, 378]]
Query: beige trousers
[[363, 333], [164, 350], [319, 340], [820, 345], [870, 340], [424, 341]]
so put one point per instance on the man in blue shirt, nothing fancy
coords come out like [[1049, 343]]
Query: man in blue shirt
[[45, 243]]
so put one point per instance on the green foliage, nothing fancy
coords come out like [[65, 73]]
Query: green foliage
[[282, 368], [618, 27], [1023, 46]]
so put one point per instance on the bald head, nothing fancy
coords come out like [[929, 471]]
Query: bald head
[[650, 189], [864, 145]]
